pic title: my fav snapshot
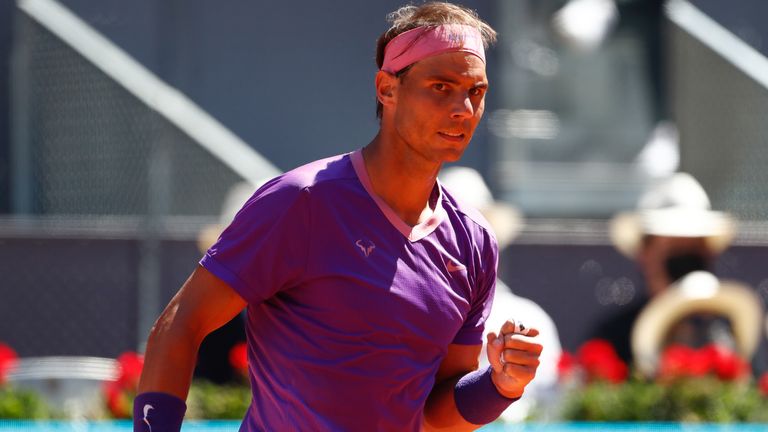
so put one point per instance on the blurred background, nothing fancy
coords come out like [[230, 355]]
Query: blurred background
[[124, 125]]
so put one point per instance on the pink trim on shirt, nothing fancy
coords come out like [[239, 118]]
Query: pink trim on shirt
[[414, 233]]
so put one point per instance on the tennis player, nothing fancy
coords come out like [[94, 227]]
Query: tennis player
[[366, 284]]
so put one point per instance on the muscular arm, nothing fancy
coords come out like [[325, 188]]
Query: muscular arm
[[440, 411], [203, 304]]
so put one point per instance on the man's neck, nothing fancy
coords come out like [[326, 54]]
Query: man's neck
[[404, 181]]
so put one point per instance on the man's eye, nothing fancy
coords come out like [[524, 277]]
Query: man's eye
[[476, 91], [439, 86]]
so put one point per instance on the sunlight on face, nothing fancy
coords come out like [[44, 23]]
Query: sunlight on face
[[440, 102]]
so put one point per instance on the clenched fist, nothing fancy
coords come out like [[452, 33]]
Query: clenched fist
[[514, 357]]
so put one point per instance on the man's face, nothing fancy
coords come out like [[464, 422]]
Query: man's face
[[439, 103], [658, 252]]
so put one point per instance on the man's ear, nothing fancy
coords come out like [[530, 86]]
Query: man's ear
[[386, 88]]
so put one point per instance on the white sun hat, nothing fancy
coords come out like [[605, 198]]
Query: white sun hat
[[676, 206], [467, 185], [697, 292]]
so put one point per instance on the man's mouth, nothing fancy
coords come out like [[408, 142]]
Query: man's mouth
[[452, 136]]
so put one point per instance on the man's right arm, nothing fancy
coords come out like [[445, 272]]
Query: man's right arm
[[203, 304]]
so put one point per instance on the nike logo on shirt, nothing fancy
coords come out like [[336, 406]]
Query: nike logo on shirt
[[454, 267], [147, 407]]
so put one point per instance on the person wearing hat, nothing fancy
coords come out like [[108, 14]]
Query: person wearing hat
[[468, 186], [674, 236], [698, 310]]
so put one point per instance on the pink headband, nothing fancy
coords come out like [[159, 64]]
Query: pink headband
[[417, 44]]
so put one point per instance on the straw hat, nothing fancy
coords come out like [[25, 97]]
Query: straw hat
[[467, 185], [676, 206], [697, 292]]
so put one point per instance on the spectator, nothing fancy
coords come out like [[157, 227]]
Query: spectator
[[674, 234]]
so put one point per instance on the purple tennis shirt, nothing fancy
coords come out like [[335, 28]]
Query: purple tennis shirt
[[351, 310]]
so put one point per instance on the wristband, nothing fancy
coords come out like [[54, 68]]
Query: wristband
[[158, 412], [477, 398]]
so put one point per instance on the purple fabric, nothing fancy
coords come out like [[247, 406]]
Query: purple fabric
[[348, 318], [157, 412], [477, 399]]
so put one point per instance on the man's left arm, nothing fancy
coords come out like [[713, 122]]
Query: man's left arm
[[462, 391]]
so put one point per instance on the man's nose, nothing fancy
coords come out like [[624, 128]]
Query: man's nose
[[462, 107]]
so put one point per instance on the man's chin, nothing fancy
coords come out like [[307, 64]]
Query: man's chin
[[451, 158], [452, 155]]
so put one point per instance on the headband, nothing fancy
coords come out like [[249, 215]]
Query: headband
[[417, 44]]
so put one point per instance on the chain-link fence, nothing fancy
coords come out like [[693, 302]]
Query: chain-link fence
[[87, 146], [720, 110], [108, 195]]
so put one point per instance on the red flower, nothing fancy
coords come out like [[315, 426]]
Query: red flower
[[130, 364], [680, 361], [727, 365], [762, 384], [119, 393], [600, 361], [566, 364], [118, 402], [683, 361], [238, 358], [615, 371], [595, 351], [704, 360], [8, 359]]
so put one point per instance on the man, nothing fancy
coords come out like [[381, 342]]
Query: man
[[366, 285]]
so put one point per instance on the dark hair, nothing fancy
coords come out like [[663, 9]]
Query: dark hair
[[431, 14]]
